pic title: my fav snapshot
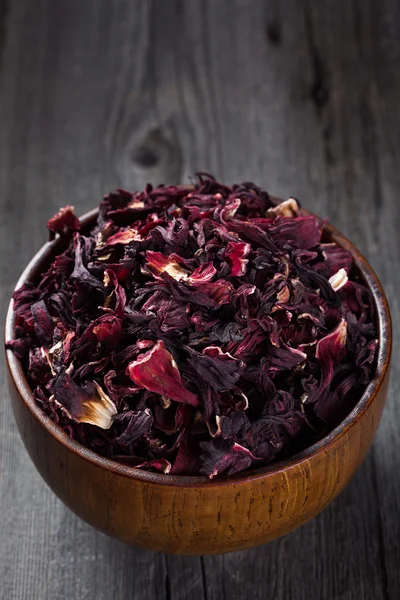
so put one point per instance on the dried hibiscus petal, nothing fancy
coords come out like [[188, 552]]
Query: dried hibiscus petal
[[156, 464], [330, 350], [43, 323], [65, 220], [186, 460], [208, 329], [157, 371], [339, 279], [139, 423], [236, 253], [218, 368], [108, 329], [117, 298], [287, 208], [87, 404], [158, 264], [224, 456]]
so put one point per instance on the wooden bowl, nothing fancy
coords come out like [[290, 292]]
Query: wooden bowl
[[193, 515]]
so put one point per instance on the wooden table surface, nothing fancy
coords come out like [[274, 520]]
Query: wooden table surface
[[301, 96]]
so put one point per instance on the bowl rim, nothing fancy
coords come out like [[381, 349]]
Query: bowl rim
[[17, 374]]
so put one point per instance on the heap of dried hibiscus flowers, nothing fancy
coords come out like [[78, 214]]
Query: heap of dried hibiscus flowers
[[201, 330]]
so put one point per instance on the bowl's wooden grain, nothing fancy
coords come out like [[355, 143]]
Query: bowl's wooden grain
[[192, 515]]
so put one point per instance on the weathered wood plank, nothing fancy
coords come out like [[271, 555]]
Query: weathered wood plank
[[381, 146]]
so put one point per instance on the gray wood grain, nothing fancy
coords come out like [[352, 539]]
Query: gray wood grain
[[301, 97]]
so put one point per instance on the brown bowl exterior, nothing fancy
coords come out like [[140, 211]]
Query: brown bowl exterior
[[192, 515]]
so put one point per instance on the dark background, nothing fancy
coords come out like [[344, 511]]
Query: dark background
[[300, 96]]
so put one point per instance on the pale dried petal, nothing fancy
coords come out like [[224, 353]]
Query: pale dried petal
[[88, 404], [283, 296], [135, 204], [287, 208], [98, 410], [157, 263], [339, 280]]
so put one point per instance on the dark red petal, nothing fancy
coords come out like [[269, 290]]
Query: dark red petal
[[108, 330], [202, 274], [158, 464], [43, 323], [336, 258], [80, 273], [332, 347], [172, 418], [157, 371], [219, 291], [158, 263], [186, 460], [118, 296], [139, 423], [65, 220], [330, 350], [20, 346], [236, 253], [219, 369], [122, 237], [223, 456], [285, 358], [305, 232], [118, 391]]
